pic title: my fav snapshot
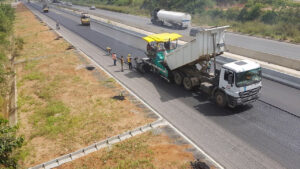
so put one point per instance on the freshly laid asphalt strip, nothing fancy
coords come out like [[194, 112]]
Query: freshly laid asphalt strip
[[263, 127]]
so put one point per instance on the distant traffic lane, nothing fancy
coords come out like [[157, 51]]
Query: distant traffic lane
[[248, 42]]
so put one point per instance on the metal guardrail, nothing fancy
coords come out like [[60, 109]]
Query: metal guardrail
[[99, 145]]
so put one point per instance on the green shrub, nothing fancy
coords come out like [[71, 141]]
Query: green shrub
[[269, 17], [250, 12], [232, 13], [9, 142], [6, 22]]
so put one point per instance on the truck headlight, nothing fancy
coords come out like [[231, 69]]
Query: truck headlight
[[239, 100]]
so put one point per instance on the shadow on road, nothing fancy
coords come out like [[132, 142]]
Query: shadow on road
[[197, 99], [166, 27]]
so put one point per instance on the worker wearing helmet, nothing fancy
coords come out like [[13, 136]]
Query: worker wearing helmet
[[108, 50], [129, 61]]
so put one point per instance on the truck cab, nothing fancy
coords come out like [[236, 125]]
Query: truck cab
[[241, 83]]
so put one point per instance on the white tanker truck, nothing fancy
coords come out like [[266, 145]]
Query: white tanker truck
[[178, 20]]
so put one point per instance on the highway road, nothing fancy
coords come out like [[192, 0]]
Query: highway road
[[248, 42], [265, 135]]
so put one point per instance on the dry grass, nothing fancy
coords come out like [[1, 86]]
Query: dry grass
[[144, 151], [36, 36], [63, 106]]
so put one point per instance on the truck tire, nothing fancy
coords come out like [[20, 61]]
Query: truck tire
[[220, 99], [143, 68], [174, 26], [139, 67], [179, 26], [187, 83], [178, 77]]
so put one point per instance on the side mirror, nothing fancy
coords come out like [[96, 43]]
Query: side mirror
[[230, 79]]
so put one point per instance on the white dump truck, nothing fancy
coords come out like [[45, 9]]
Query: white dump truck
[[178, 20], [193, 65]]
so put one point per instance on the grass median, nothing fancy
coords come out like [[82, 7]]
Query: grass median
[[62, 105]]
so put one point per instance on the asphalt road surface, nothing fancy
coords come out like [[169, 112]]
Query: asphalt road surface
[[264, 135], [244, 41]]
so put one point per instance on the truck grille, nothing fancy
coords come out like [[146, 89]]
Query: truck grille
[[250, 92]]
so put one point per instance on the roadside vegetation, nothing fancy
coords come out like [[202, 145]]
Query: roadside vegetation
[[6, 51], [9, 48], [276, 19], [9, 142]]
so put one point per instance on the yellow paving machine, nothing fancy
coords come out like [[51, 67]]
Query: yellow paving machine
[[85, 19]]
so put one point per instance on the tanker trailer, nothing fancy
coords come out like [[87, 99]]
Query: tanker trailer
[[178, 20]]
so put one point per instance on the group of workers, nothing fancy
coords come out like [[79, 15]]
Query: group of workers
[[114, 58]]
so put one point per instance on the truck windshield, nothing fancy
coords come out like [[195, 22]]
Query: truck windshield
[[248, 77]]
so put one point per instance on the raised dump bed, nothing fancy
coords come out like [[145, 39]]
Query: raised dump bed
[[208, 42]]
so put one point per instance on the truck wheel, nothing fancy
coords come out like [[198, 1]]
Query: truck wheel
[[187, 83], [147, 68], [179, 26], [177, 77], [221, 99], [140, 68]]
